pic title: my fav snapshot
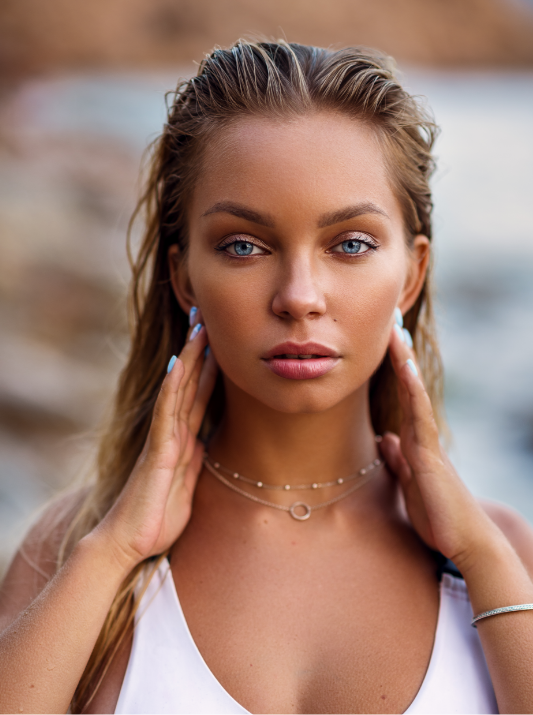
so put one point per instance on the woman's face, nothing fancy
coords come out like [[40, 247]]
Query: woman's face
[[297, 249]]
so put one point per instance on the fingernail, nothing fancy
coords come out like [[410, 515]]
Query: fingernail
[[408, 338], [398, 317], [171, 363], [399, 332], [412, 366], [192, 315], [207, 351], [195, 331]]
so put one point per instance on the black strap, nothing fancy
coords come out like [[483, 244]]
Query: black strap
[[444, 565]]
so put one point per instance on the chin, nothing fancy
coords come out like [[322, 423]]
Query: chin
[[305, 405], [299, 396]]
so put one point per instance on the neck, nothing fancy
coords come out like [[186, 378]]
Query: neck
[[281, 448]]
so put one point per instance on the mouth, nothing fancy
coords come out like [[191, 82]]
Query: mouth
[[298, 357], [305, 361]]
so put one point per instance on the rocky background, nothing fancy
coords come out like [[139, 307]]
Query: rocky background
[[82, 93], [40, 36]]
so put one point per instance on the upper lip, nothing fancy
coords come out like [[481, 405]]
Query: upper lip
[[290, 348]]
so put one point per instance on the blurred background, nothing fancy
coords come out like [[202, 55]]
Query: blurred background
[[82, 89]]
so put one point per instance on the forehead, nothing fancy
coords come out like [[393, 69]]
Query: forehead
[[307, 165]]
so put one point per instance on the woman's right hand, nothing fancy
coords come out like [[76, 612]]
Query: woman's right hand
[[155, 504]]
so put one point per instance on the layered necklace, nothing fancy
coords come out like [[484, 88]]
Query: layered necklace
[[299, 510]]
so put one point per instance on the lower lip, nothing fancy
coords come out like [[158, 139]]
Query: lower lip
[[301, 369]]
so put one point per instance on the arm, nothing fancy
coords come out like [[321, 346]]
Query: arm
[[516, 529], [49, 627], [44, 650], [450, 520]]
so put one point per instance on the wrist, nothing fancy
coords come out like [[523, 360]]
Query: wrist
[[102, 550], [494, 574], [487, 546]]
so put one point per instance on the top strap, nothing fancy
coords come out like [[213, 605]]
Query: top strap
[[445, 565]]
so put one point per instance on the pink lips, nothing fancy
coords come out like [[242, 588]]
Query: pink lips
[[301, 361]]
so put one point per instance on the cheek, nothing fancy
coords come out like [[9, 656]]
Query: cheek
[[363, 307], [235, 306], [367, 305]]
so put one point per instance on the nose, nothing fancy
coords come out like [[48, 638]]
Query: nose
[[298, 294]]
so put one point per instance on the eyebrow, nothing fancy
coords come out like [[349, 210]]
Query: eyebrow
[[328, 219], [241, 212]]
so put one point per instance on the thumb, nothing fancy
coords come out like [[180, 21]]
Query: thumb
[[392, 453]]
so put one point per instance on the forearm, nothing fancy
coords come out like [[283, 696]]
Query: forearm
[[44, 652], [496, 577]]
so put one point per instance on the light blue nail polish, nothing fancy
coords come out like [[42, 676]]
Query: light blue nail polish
[[413, 367], [192, 315], [207, 351], [171, 363], [195, 331], [399, 332], [398, 317], [408, 338]]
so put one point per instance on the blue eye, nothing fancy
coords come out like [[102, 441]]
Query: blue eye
[[243, 248], [351, 246]]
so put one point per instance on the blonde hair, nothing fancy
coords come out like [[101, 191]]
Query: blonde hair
[[264, 79]]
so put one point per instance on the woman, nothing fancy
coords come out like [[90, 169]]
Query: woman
[[277, 564]]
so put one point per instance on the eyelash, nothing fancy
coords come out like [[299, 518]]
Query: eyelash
[[238, 238], [372, 244]]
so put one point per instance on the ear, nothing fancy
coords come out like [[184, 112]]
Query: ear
[[179, 277], [418, 261]]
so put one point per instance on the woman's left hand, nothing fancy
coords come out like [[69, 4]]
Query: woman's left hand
[[441, 509]]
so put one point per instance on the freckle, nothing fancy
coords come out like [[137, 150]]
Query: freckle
[[265, 521], [32, 686]]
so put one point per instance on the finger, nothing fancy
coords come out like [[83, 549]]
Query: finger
[[190, 389], [414, 399], [206, 384], [399, 353], [391, 450], [194, 317], [187, 479], [190, 355], [162, 427]]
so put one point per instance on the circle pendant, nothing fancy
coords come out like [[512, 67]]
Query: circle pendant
[[300, 517]]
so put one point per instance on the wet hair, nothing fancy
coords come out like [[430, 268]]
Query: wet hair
[[264, 79]]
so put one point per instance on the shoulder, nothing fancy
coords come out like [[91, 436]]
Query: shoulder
[[35, 562], [518, 530]]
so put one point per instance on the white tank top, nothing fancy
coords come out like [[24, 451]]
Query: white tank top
[[167, 674]]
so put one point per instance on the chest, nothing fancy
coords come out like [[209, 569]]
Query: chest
[[310, 630]]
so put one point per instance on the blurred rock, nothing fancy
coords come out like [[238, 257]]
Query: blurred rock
[[38, 36], [65, 201]]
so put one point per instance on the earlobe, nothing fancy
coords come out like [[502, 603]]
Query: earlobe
[[179, 278], [418, 262]]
